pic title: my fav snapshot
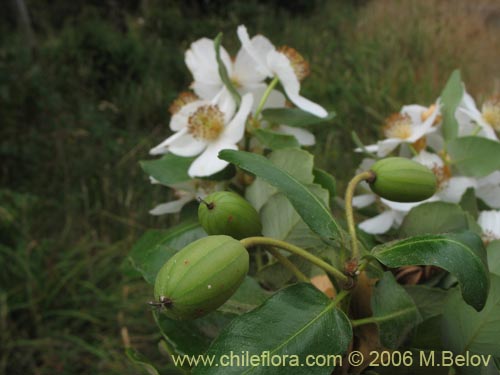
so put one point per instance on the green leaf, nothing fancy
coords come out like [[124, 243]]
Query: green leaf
[[326, 180], [248, 296], [450, 99], [274, 140], [474, 156], [155, 247], [394, 311], [434, 218], [468, 202], [297, 321], [223, 71], [294, 117], [308, 205], [295, 161], [169, 170], [465, 329], [429, 301], [141, 361], [461, 254], [493, 251]]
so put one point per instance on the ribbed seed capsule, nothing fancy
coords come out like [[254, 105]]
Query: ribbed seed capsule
[[201, 277], [402, 180], [228, 213]]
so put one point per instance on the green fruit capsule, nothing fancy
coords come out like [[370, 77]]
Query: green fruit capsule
[[402, 180], [228, 213], [201, 277]]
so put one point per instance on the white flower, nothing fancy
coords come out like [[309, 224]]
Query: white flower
[[488, 119], [185, 193], [392, 215], [489, 221], [207, 128], [488, 189], [285, 63], [408, 126], [243, 72]]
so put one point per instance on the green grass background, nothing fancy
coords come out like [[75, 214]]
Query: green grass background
[[86, 102]]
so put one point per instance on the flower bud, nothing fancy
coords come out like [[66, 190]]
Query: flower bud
[[228, 213], [402, 180], [201, 277]]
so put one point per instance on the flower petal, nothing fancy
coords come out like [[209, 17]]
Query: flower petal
[[455, 188], [180, 119], [246, 72], [386, 146], [236, 128], [490, 194], [303, 136], [489, 221], [186, 146], [208, 163], [257, 48], [414, 111], [200, 60], [378, 224], [363, 200], [172, 207], [162, 148]]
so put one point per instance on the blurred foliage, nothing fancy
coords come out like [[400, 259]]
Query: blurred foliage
[[80, 109]]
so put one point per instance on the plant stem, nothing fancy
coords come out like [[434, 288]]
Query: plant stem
[[264, 98], [360, 322], [367, 175], [288, 264], [266, 241]]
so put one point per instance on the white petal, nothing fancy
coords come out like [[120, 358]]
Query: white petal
[[281, 66], [378, 224], [414, 111], [489, 221], [386, 146], [256, 48], [206, 91], [224, 100], [245, 69], [435, 141], [208, 162], [201, 61], [455, 188], [429, 159], [186, 146], [490, 194], [303, 136], [172, 206], [363, 200], [401, 206], [275, 100], [162, 148], [236, 128]]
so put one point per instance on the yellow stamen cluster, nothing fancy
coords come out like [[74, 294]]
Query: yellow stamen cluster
[[398, 126], [206, 123], [299, 64], [184, 98], [491, 112]]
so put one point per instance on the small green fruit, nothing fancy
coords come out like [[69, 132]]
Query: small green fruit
[[201, 277], [228, 213], [402, 180]]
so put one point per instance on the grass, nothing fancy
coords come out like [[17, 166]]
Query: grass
[[80, 110]]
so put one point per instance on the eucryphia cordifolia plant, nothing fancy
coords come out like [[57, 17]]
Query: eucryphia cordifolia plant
[[420, 272]]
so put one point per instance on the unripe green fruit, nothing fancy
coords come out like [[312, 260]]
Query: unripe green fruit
[[228, 213], [201, 277], [402, 180]]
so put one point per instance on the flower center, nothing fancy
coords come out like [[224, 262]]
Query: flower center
[[299, 64], [491, 112], [184, 98], [443, 175], [206, 123], [398, 126]]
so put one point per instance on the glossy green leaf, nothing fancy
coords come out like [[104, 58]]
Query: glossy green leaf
[[297, 321], [169, 170], [307, 204], [465, 329], [155, 247], [430, 301], [394, 311], [474, 156], [434, 218], [461, 254], [141, 361], [294, 117], [274, 140], [450, 99], [326, 180], [223, 71], [468, 202], [493, 251]]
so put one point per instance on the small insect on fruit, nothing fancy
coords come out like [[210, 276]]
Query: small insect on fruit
[[200, 277], [228, 213], [402, 180]]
